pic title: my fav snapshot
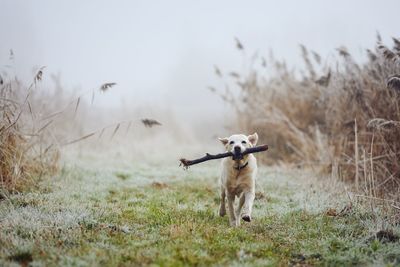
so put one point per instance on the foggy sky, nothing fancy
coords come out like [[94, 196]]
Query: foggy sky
[[161, 53]]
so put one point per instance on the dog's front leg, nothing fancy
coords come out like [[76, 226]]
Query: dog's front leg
[[232, 217], [239, 209], [248, 205]]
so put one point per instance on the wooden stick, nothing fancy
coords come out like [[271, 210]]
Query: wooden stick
[[186, 163]]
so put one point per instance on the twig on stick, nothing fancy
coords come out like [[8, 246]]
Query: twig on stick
[[186, 163]]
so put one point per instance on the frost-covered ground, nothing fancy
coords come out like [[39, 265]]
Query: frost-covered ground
[[118, 213]]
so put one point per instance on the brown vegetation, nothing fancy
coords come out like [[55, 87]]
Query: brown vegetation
[[26, 150], [342, 117], [36, 123]]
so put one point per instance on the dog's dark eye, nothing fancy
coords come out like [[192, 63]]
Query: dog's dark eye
[[231, 142], [243, 142]]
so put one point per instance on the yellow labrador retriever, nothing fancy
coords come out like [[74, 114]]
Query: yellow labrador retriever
[[238, 178]]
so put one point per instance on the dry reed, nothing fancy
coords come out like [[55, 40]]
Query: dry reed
[[26, 153], [329, 115]]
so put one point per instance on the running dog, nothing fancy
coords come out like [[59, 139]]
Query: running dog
[[238, 178]]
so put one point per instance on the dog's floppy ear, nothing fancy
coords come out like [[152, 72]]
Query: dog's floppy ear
[[253, 138], [224, 141]]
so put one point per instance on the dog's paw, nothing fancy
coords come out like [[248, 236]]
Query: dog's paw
[[238, 222], [234, 224], [246, 218], [222, 212]]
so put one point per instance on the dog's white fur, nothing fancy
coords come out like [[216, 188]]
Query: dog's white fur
[[238, 183]]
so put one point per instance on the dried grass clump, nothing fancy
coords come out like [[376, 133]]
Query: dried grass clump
[[36, 125], [342, 117], [26, 152]]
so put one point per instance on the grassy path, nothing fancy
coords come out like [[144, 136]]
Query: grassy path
[[158, 215]]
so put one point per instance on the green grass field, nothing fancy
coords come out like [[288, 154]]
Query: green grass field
[[137, 214]]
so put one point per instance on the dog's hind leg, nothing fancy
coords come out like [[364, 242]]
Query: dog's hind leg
[[248, 205], [222, 206]]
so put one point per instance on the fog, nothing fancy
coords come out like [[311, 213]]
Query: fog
[[162, 53]]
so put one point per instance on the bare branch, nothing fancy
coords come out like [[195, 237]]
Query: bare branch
[[186, 163]]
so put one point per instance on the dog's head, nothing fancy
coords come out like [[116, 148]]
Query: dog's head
[[238, 143]]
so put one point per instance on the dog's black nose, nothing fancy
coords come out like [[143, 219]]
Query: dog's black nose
[[237, 149]]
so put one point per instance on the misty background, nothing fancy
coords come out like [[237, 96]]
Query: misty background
[[162, 54]]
